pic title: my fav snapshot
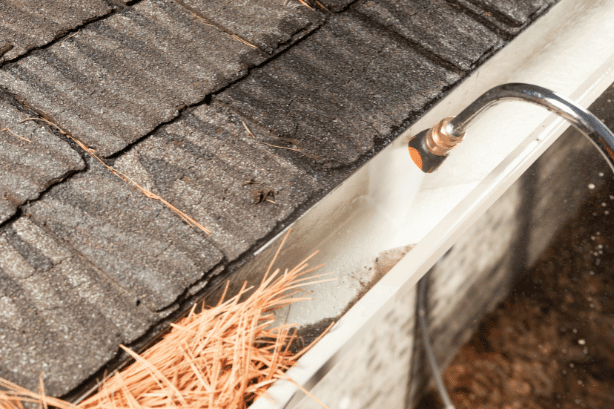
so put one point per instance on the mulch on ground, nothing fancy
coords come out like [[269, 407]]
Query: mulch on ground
[[550, 344]]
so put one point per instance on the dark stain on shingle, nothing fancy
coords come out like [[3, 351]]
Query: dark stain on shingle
[[30, 253]]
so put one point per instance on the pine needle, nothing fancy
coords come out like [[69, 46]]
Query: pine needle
[[123, 176], [224, 356], [267, 144], [14, 134]]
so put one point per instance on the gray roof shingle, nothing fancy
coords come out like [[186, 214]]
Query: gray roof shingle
[[202, 164], [28, 24], [337, 91], [32, 158], [117, 79], [499, 16], [135, 240], [60, 315], [438, 27], [267, 24], [519, 12]]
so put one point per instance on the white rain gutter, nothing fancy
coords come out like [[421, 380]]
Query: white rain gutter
[[388, 203]]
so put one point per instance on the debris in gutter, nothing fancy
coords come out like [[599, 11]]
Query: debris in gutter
[[224, 356], [264, 193]]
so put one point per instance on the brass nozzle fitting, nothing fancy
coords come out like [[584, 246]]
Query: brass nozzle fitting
[[438, 139], [429, 148]]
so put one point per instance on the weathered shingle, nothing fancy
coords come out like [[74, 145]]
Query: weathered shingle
[[28, 24], [135, 240], [31, 159], [117, 79], [506, 29], [208, 165], [60, 315], [267, 24], [436, 26], [518, 11], [335, 5], [337, 91], [507, 17]]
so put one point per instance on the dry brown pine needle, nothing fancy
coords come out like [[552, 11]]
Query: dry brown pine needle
[[190, 221], [222, 357], [265, 143], [14, 134]]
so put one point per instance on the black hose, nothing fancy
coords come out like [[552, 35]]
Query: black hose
[[430, 354]]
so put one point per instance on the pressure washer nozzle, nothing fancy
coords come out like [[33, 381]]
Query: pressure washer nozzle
[[430, 148]]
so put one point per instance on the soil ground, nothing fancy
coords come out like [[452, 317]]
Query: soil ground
[[550, 344]]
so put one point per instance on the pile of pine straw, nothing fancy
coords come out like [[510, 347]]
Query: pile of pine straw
[[222, 357]]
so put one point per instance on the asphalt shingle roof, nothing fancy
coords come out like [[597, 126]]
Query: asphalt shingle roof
[[60, 315], [513, 12], [115, 80], [163, 90], [31, 158], [430, 25], [267, 24], [28, 24], [208, 165], [338, 90], [130, 238]]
